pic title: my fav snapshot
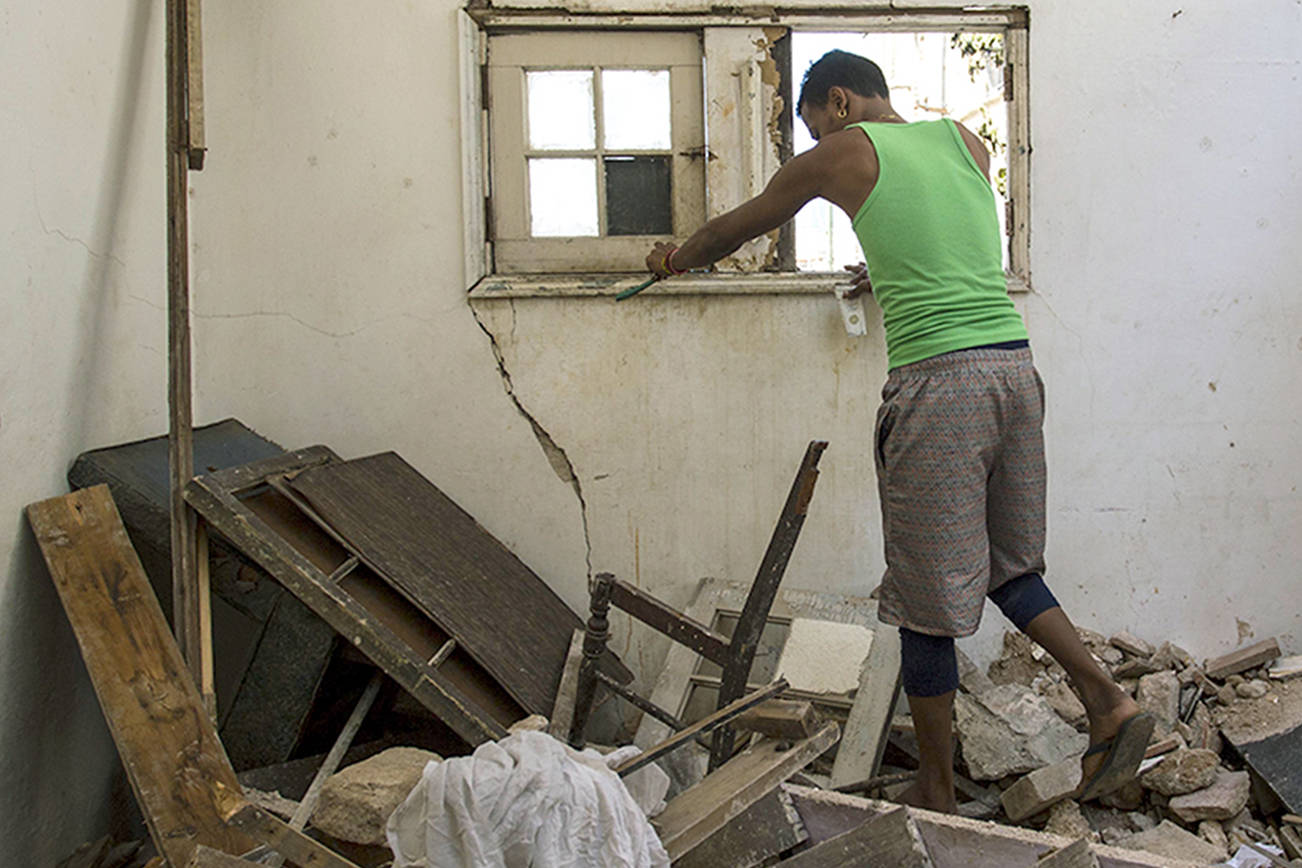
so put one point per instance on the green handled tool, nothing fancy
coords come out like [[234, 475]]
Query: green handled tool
[[629, 293]]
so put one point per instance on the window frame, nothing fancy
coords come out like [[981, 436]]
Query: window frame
[[477, 25]]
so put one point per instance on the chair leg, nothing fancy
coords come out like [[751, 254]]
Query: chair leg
[[595, 636], [755, 614]]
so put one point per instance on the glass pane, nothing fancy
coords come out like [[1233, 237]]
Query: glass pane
[[638, 200], [560, 110], [635, 109], [563, 197]]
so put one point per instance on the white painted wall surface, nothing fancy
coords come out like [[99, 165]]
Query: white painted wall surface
[[330, 308], [82, 363]]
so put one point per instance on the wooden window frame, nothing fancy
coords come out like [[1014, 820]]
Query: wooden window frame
[[754, 166]]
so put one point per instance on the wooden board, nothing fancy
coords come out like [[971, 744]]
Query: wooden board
[[888, 839], [1245, 658], [717, 601], [167, 743], [708, 807], [766, 829], [395, 635], [444, 562]]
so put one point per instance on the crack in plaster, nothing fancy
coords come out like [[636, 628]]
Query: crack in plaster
[[556, 456], [254, 314]]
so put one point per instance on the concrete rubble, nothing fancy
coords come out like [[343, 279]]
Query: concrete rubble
[[1194, 799], [356, 801]]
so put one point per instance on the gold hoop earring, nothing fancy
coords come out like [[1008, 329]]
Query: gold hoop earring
[[842, 113]]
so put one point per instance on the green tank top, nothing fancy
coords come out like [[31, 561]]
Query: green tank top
[[930, 236]]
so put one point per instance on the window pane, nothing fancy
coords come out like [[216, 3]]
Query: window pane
[[560, 110], [563, 197], [635, 109], [637, 196]]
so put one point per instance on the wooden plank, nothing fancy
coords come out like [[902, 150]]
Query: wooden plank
[[445, 563], [1245, 658], [1077, 854], [754, 615], [670, 622], [275, 833], [237, 480], [766, 829], [706, 724], [154, 712], [372, 635], [868, 726], [195, 130], [889, 839], [781, 718], [1017, 53], [563, 707], [474, 232], [703, 810], [203, 589]]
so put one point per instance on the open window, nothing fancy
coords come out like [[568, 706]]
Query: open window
[[609, 130]]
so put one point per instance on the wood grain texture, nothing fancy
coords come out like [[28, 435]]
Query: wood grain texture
[[670, 622], [703, 810], [781, 718], [1245, 658], [167, 743], [298, 848], [374, 635], [766, 829], [435, 552], [889, 839]]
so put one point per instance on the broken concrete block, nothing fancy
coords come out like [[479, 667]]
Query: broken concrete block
[[1066, 819], [970, 677], [1132, 645], [1169, 840], [824, 657], [1017, 664], [1064, 701], [1226, 695], [1254, 689], [1041, 789], [1169, 656], [1182, 771], [1011, 730], [1134, 668], [1227, 795], [1140, 822], [1159, 693], [532, 723], [356, 801], [1211, 832]]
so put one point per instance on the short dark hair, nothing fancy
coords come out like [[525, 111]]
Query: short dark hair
[[841, 69]]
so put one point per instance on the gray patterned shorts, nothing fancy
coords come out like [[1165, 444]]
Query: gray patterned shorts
[[961, 476]]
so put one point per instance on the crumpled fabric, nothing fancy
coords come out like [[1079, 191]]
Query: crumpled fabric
[[529, 801]]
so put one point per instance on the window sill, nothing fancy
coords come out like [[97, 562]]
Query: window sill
[[504, 286]]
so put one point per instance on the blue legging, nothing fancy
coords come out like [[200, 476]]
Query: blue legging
[[928, 666]]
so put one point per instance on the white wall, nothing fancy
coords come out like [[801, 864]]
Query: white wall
[[82, 364], [330, 308]]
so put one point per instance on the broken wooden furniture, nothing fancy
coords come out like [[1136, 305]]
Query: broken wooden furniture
[[271, 652], [734, 654], [407, 577], [688, 684], [178, 769]]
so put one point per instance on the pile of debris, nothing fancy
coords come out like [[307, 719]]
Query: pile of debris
[[1221, 772]]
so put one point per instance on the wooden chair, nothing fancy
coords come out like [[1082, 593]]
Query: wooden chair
[[734, 655]]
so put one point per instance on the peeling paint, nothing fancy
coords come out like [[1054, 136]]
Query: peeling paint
[[556, 457]]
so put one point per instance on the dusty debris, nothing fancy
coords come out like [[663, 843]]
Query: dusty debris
[[1159, 693], [1041, 789], [356, 801], [1066, 819], [1169, 840], [1011, 730], [1181, 772], [1226, 796]]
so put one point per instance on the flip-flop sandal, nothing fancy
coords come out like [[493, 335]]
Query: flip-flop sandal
[[1125, 751]]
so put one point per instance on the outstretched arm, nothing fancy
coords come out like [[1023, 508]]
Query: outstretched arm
[[800, 180]]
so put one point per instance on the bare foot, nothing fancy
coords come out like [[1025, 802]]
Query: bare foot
[[919, 796], [1104, 726]]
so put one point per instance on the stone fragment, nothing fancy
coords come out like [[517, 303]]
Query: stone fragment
[[1128, 798], [1227, 795], [1105, 820], [1169, 656], [532, 723], [1235, 680], [1109, 655], [1140, 821], [1011, 730], [1065, 702], [1226, 695], [356, 801], [1092, 639], [1211, 832], [1132, 645], [1017, 663], [1182, 771], [1159, 694], [1169, 840], [970, 677], [1134, 668], [1286, 667], [1066, 819], [1041, 789], [1254, 689]]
